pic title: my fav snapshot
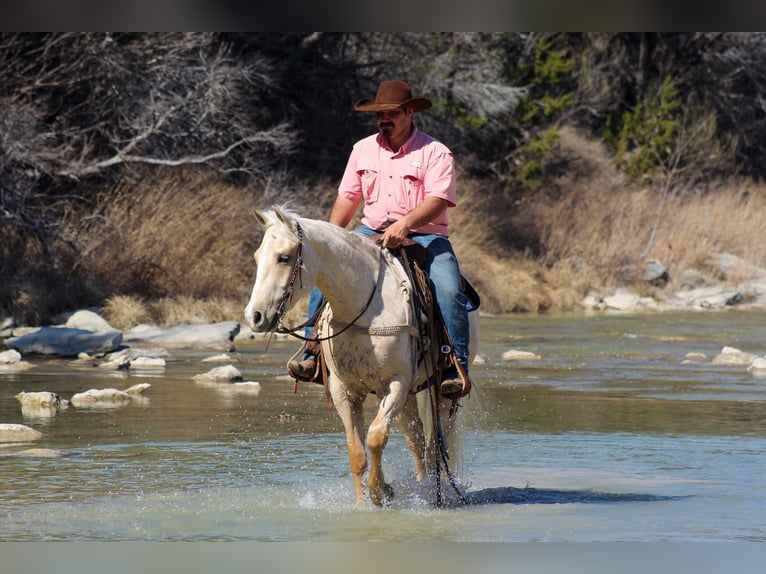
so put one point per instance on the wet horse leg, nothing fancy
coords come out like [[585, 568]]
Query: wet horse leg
[[377, 436], [352, 416], [410, 423]]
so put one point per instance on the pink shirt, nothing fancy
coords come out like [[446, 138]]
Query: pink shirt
[[393, 184]]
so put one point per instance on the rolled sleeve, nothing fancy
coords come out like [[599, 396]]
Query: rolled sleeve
[[439, 179]]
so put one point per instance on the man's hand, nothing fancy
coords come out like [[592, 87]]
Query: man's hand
[[424, 213], [395, 234]]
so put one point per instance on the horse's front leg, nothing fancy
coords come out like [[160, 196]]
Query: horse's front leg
[[352, 416], [377, 436]]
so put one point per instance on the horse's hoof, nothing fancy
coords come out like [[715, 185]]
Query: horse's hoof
[[387, 495]]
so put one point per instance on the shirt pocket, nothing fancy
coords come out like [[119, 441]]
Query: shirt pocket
[[412, 193], [370, 187]]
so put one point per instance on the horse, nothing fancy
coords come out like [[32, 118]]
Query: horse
[[368, 335]]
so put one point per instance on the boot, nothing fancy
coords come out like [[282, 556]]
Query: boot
[[451, 386], [304, 370]]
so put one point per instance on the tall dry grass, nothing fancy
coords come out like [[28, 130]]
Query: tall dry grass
[[631, 228], [171, 234], [126, 311]]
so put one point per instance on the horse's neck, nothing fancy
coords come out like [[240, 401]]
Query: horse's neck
[[348, 267]]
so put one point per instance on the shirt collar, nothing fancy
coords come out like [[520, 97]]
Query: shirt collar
[[405, 146]]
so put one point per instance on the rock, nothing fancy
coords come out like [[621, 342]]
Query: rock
[[515, 355], [41, 400], [108, 398], [694, 358], [622, 300], [758, 364], [712, 297], [655, 273], [226, 373], [733, 356], [208, 336], [18, 433], [89, 321], [10, 361], [10, 356], [730, 267], [65, 342], [41, 404], [147, 363], [592, 302], [134, 358], [221, 358]]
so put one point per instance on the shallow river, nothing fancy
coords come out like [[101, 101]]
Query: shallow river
[[609, 436]]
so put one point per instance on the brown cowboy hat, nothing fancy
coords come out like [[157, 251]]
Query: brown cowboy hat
[[392, 94]]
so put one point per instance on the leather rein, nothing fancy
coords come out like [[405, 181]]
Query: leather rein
[[290, 291]]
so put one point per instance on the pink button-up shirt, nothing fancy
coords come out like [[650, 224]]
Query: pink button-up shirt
[[395, 183]]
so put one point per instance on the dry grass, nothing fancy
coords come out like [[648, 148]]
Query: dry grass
[[688, 230], [124, 311], [171, 235]]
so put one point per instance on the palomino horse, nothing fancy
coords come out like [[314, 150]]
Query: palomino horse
[[369, 300]]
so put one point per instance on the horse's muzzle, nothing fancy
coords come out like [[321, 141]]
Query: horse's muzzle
[[260, 323]]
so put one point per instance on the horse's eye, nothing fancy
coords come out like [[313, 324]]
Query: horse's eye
[[283, 259]]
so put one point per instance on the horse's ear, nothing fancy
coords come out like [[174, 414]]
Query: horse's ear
[[284, 217], [262, 217]]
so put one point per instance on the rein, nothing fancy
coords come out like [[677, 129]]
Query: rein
[[290, 290]]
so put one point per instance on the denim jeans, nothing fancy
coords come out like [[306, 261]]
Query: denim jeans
[[442, 267]]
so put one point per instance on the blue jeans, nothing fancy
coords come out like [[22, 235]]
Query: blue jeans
[[442, 267]]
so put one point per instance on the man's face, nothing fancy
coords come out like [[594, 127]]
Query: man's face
[[394, 124]]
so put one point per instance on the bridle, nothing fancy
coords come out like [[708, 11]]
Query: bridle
[[289, 291]]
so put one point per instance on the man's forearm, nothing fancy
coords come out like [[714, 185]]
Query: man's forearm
[[426, 212]]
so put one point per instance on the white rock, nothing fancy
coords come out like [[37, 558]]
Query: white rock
[[147, 363], [758, 364], [10, 362], [108, 397], [226, 373], [89, 321], [622, 300], [733, 356], [516, 355], [220, 358], [41, 399], [18, 433], [10, 356]]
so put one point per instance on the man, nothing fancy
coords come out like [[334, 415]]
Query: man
[[407, 180]]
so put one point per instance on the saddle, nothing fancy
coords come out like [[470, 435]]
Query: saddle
[[434, 344]]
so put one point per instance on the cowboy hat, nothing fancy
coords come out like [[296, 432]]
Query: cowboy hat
[[392, 94]]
